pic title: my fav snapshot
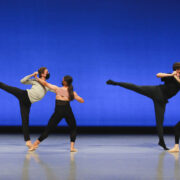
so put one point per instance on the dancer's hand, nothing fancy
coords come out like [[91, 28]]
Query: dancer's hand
[[176, 76], [174, 73], [36, 77], [35, 73]]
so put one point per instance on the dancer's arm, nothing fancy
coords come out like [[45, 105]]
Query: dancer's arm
[[27, 80], [162, 75], [48, 85], [78, 98]]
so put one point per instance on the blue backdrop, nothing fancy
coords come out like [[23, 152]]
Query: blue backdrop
[[91, 40]]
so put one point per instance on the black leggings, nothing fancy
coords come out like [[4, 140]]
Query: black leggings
[[25, 106], [62, 110], [155, 93], [177, 132]]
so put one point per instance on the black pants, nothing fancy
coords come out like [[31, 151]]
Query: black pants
[[62, 110], [25, 106], [155, 93], [177, 132]]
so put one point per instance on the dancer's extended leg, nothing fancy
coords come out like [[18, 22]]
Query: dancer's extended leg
[[148, 91], [12, 90]]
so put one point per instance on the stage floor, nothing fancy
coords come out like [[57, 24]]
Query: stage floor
[[99, 157]]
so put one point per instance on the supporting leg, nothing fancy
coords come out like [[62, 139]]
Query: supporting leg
[[73, 129], [159, 111], [25, 109]]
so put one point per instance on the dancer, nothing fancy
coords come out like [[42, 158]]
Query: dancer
[[159, 94], [63, 109], [27, 97], [177, 134]]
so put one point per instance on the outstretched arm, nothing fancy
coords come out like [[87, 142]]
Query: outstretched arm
[[78, 98], [45, 83], [27, 80], [161, 75]]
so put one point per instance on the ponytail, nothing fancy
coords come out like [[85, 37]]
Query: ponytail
[[69, 81], [71, 92]]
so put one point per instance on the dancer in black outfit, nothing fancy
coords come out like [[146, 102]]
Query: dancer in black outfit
[[177, 135], [159, 94], [27, 97], [176, 131], [63, 109]]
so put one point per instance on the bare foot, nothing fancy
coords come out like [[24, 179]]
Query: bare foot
[[174, 149], [29, 144], [73, 150], [33, 148], [35, 145]]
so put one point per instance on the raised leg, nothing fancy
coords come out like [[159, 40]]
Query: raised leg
[[12, 90], [148, 91]]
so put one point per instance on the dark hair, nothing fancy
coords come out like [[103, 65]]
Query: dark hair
[[176, 66], [69, 81], [41, 71]]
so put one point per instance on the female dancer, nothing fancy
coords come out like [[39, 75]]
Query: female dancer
[[27, 97], [63, 109], [159, 94]]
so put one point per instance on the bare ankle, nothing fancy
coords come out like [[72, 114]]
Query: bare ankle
[[72, 145], [37, 142], [176, 146]]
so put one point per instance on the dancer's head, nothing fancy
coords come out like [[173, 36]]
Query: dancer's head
[[67, 82], [176, 67], [43, 72]]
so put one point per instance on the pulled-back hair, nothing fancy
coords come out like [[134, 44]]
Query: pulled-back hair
[[69, 81], [176, 66], [41, 71]]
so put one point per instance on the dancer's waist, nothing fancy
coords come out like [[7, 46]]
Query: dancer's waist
[[62, 103]]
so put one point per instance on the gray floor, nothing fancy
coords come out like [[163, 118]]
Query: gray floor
[[100, 157]]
